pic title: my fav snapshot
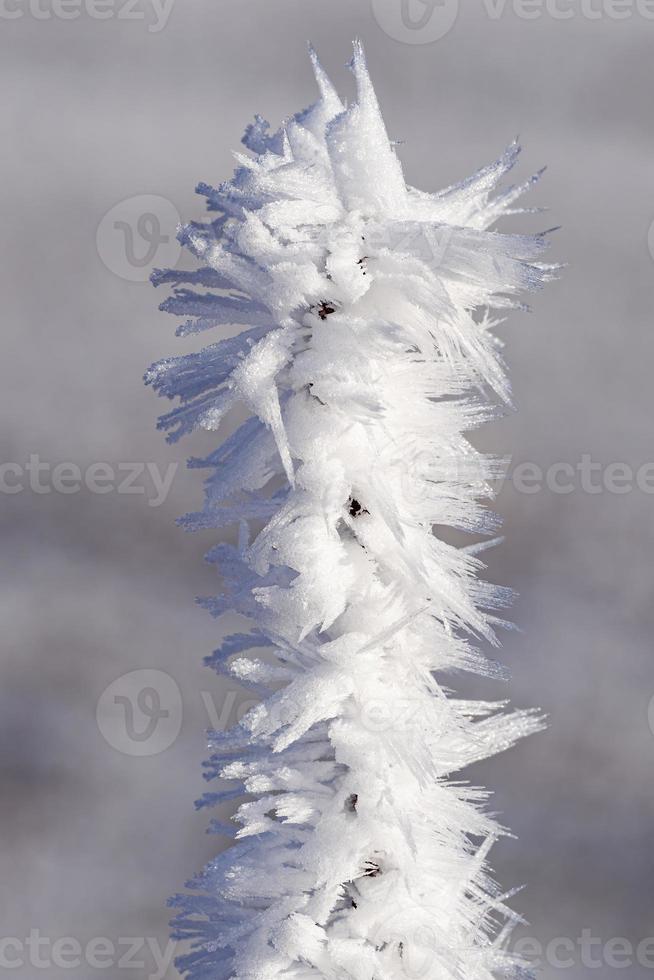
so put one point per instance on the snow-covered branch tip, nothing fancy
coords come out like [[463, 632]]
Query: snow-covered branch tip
[[366, 354]]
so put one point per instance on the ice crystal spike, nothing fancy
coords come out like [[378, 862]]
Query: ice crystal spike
[[366, 355]]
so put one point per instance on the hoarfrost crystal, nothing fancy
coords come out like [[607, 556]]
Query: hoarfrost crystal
[[367, 353]]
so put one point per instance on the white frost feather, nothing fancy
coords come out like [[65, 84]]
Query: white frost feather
[[368, 355]]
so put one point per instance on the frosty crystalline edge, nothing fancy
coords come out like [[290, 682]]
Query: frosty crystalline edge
[[367, 352]]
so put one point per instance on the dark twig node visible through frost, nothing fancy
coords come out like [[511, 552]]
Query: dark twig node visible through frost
[[355, 509]]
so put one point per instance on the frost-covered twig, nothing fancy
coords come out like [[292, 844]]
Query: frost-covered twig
[[367, 354]]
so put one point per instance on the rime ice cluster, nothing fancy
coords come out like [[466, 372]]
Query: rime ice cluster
[[367, 353]]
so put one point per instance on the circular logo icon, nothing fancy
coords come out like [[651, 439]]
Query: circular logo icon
[[416, 21], [411, 931], [138, 233], [140, 713], [423, 940], [650, 239]]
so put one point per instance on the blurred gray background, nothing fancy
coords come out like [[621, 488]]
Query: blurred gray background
[[142, 104]]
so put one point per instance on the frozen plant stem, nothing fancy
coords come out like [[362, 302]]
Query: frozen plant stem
[[367, 353]]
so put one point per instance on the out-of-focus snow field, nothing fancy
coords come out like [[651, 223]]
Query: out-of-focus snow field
[[97, 585]]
